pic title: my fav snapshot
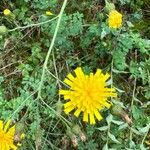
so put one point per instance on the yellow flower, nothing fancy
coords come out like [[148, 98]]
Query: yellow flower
[[7, 136], [7, 12], [48, 13], [115, 19], [87, 94]]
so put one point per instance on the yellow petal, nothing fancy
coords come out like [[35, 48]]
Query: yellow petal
[[97, 115], [85, 117], [92, 120], [7, 125], [1, 125], [79, 72], [106, 76], [68, 82], [11, 130], [66, 97], [68, 109], [77, 112], [70, 77], [68, 104], [63, 92], [13, 147], [98, 73], [106, 104]]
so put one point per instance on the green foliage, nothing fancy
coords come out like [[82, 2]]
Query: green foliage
[[83, 39]]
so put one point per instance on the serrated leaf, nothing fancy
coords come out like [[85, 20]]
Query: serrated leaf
[[104, 128], [113, 138], [105, 147]]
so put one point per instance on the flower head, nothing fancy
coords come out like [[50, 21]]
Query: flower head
[[7, 134], [115, 19], [7, 12], [87, 94], [48, 13]]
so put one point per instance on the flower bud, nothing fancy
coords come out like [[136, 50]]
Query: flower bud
[[59, 107], [38, 138], [19, 135], [109, 6], [73, 137], [7, 12], [82, 137], [76, 129], [74, 141], [49, 13], [3, 30], [117, 110]]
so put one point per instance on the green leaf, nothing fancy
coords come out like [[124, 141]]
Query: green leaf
[[136, 131], [105, 147], [103, 34], [117, 122], [104, 128], [144, 129], [123, 126], [109, 119], [113, 138], [142, 147], [132, 144], [136, 112]]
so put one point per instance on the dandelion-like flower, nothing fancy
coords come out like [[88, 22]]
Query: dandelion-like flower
[[88, 94], [115, 19], [7, 12], [7, 136], [48, 13]]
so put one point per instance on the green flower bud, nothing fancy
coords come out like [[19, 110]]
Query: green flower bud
[[117, 110], [76, 129], [104, 44], [59, 106], [3, 30], [109, 6], [70, 133], [72, 136]]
